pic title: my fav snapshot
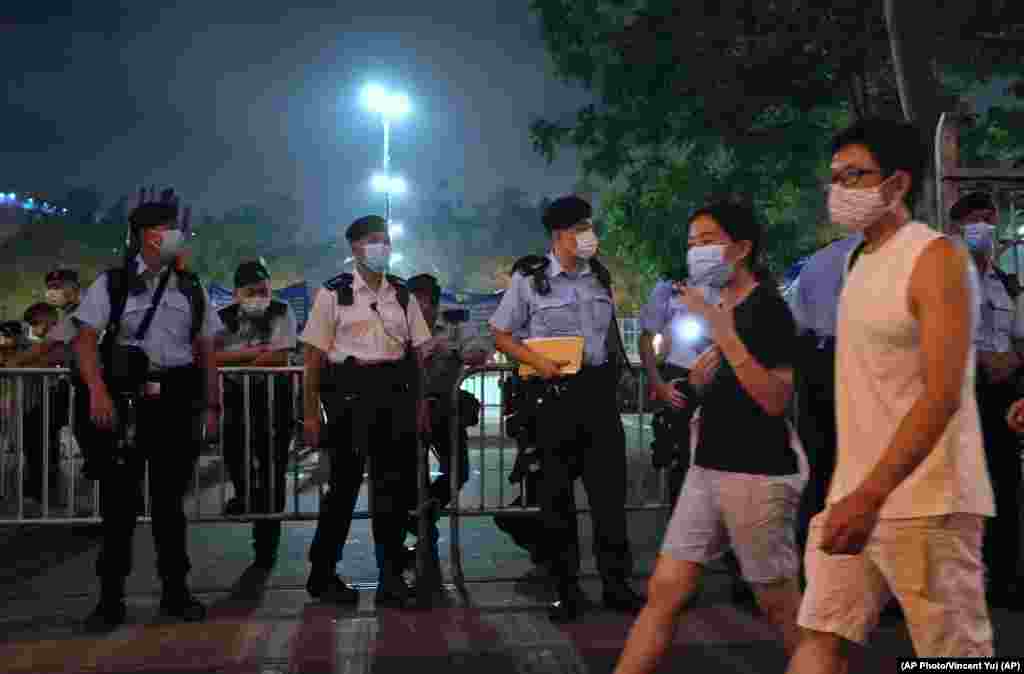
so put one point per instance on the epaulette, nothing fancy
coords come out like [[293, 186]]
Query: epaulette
[[601, 272], [535, 266], [341, 285]]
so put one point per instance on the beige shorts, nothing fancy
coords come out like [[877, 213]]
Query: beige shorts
[[932, 565], [753, 514]]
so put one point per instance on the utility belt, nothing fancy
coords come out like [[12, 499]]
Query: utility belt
[[353, 379]]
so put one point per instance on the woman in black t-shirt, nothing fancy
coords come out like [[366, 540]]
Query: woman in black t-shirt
[[744, 488]]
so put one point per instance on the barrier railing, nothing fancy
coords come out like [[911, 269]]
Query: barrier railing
[[636, 410], [29, 431]]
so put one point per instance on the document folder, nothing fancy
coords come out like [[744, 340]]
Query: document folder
[[556, 349]]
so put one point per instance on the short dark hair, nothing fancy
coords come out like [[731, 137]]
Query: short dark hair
[[425, 282], [41, 311], [895, 145], [565, 212], [737, 219], [367, 224]]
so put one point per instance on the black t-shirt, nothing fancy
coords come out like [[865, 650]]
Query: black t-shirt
[[736, 434]]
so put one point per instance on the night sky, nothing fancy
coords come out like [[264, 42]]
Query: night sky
[[227, 100]]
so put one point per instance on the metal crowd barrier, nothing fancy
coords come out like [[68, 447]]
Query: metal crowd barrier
[[638, 429], [25, 396]]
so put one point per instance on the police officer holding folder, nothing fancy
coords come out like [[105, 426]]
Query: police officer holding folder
[[567, 293]]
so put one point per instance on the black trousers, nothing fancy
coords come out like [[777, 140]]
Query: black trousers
[[816, 425], [580, 429], [264, 468], [168, 439], [33, 440], [371, 413], [679, 462], [441, 442], [1002, 532]]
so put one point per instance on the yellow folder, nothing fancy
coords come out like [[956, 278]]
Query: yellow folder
[[556, 349]]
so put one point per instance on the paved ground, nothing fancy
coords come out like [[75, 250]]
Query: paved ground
[[267, 625]]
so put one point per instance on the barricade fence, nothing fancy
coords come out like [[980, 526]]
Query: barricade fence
[[41, 462]]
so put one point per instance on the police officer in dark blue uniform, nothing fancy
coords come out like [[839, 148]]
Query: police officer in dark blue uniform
[[567, 293]]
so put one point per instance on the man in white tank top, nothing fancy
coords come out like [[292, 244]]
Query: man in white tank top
[[905, 511]]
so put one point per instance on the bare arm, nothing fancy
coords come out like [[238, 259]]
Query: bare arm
[[246, 356], [37, 356], [313, 364], [649, 358], [86, 349], [208, 363], [770, 389], [940, 300], [508, 344]]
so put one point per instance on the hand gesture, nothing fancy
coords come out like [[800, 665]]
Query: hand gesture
[[1015, 416], [549, 369], [705, 367], [849, 524], [666, 392]]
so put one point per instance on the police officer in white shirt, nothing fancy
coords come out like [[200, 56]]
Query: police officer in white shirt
[[147, 402], [999, 367], [360, 360]]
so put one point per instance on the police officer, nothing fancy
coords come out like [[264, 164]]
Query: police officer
[[443, 359], [685, 338], [259, 332], [975, 218], [147, 399], [815, 305], [53, 346], [567, 293], [360, 360]]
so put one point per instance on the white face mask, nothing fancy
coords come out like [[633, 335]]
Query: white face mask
[[56, 297], [586, 244], [376, 257], [171, 243], [979, 237], [255, 306], [707, 266], [857, 209]]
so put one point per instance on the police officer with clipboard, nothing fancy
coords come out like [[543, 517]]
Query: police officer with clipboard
[[147, 399], [568, 293]]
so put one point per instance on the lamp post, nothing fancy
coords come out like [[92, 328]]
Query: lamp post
[[389, 106]]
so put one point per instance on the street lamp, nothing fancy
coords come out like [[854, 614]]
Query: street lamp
[[389, 106], [395, 230]]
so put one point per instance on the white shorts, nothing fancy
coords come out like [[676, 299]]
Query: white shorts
[[755, 515], [933, 567]]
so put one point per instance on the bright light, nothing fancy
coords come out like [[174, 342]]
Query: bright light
[[656, 343], [691, 329], [381, 101], [396, 258], [392, 184], [395, 230], [1020, 231]]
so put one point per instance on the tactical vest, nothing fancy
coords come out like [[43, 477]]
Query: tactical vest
[[230, 317]]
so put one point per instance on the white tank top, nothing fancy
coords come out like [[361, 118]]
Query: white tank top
[[879, 377]]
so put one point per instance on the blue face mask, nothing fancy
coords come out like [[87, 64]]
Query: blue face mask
[[979, 237], [376, 257], [707, 266]]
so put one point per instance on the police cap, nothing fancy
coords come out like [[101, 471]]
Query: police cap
[[10, 329], [368, 224], [565, 212], [974, 201], [425, 282], [248, 273], [62, 276]]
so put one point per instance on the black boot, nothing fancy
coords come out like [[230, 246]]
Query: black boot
[[111, 611], [392, 591], [178, 602], [570, 604], [329, 588], [618, 595]]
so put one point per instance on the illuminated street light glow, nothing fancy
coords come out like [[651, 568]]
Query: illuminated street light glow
[[396, 258], [388, 184], [387, 104], [395, 229], [691, 329]]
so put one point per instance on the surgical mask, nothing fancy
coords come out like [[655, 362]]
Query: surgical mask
[[979, 237], [171, 243], [857, 209], [376, 257], [255, 306], [586, 244], [56, 297], [707, 266]]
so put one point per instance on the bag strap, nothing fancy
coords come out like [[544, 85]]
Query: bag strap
[[140, 334]]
